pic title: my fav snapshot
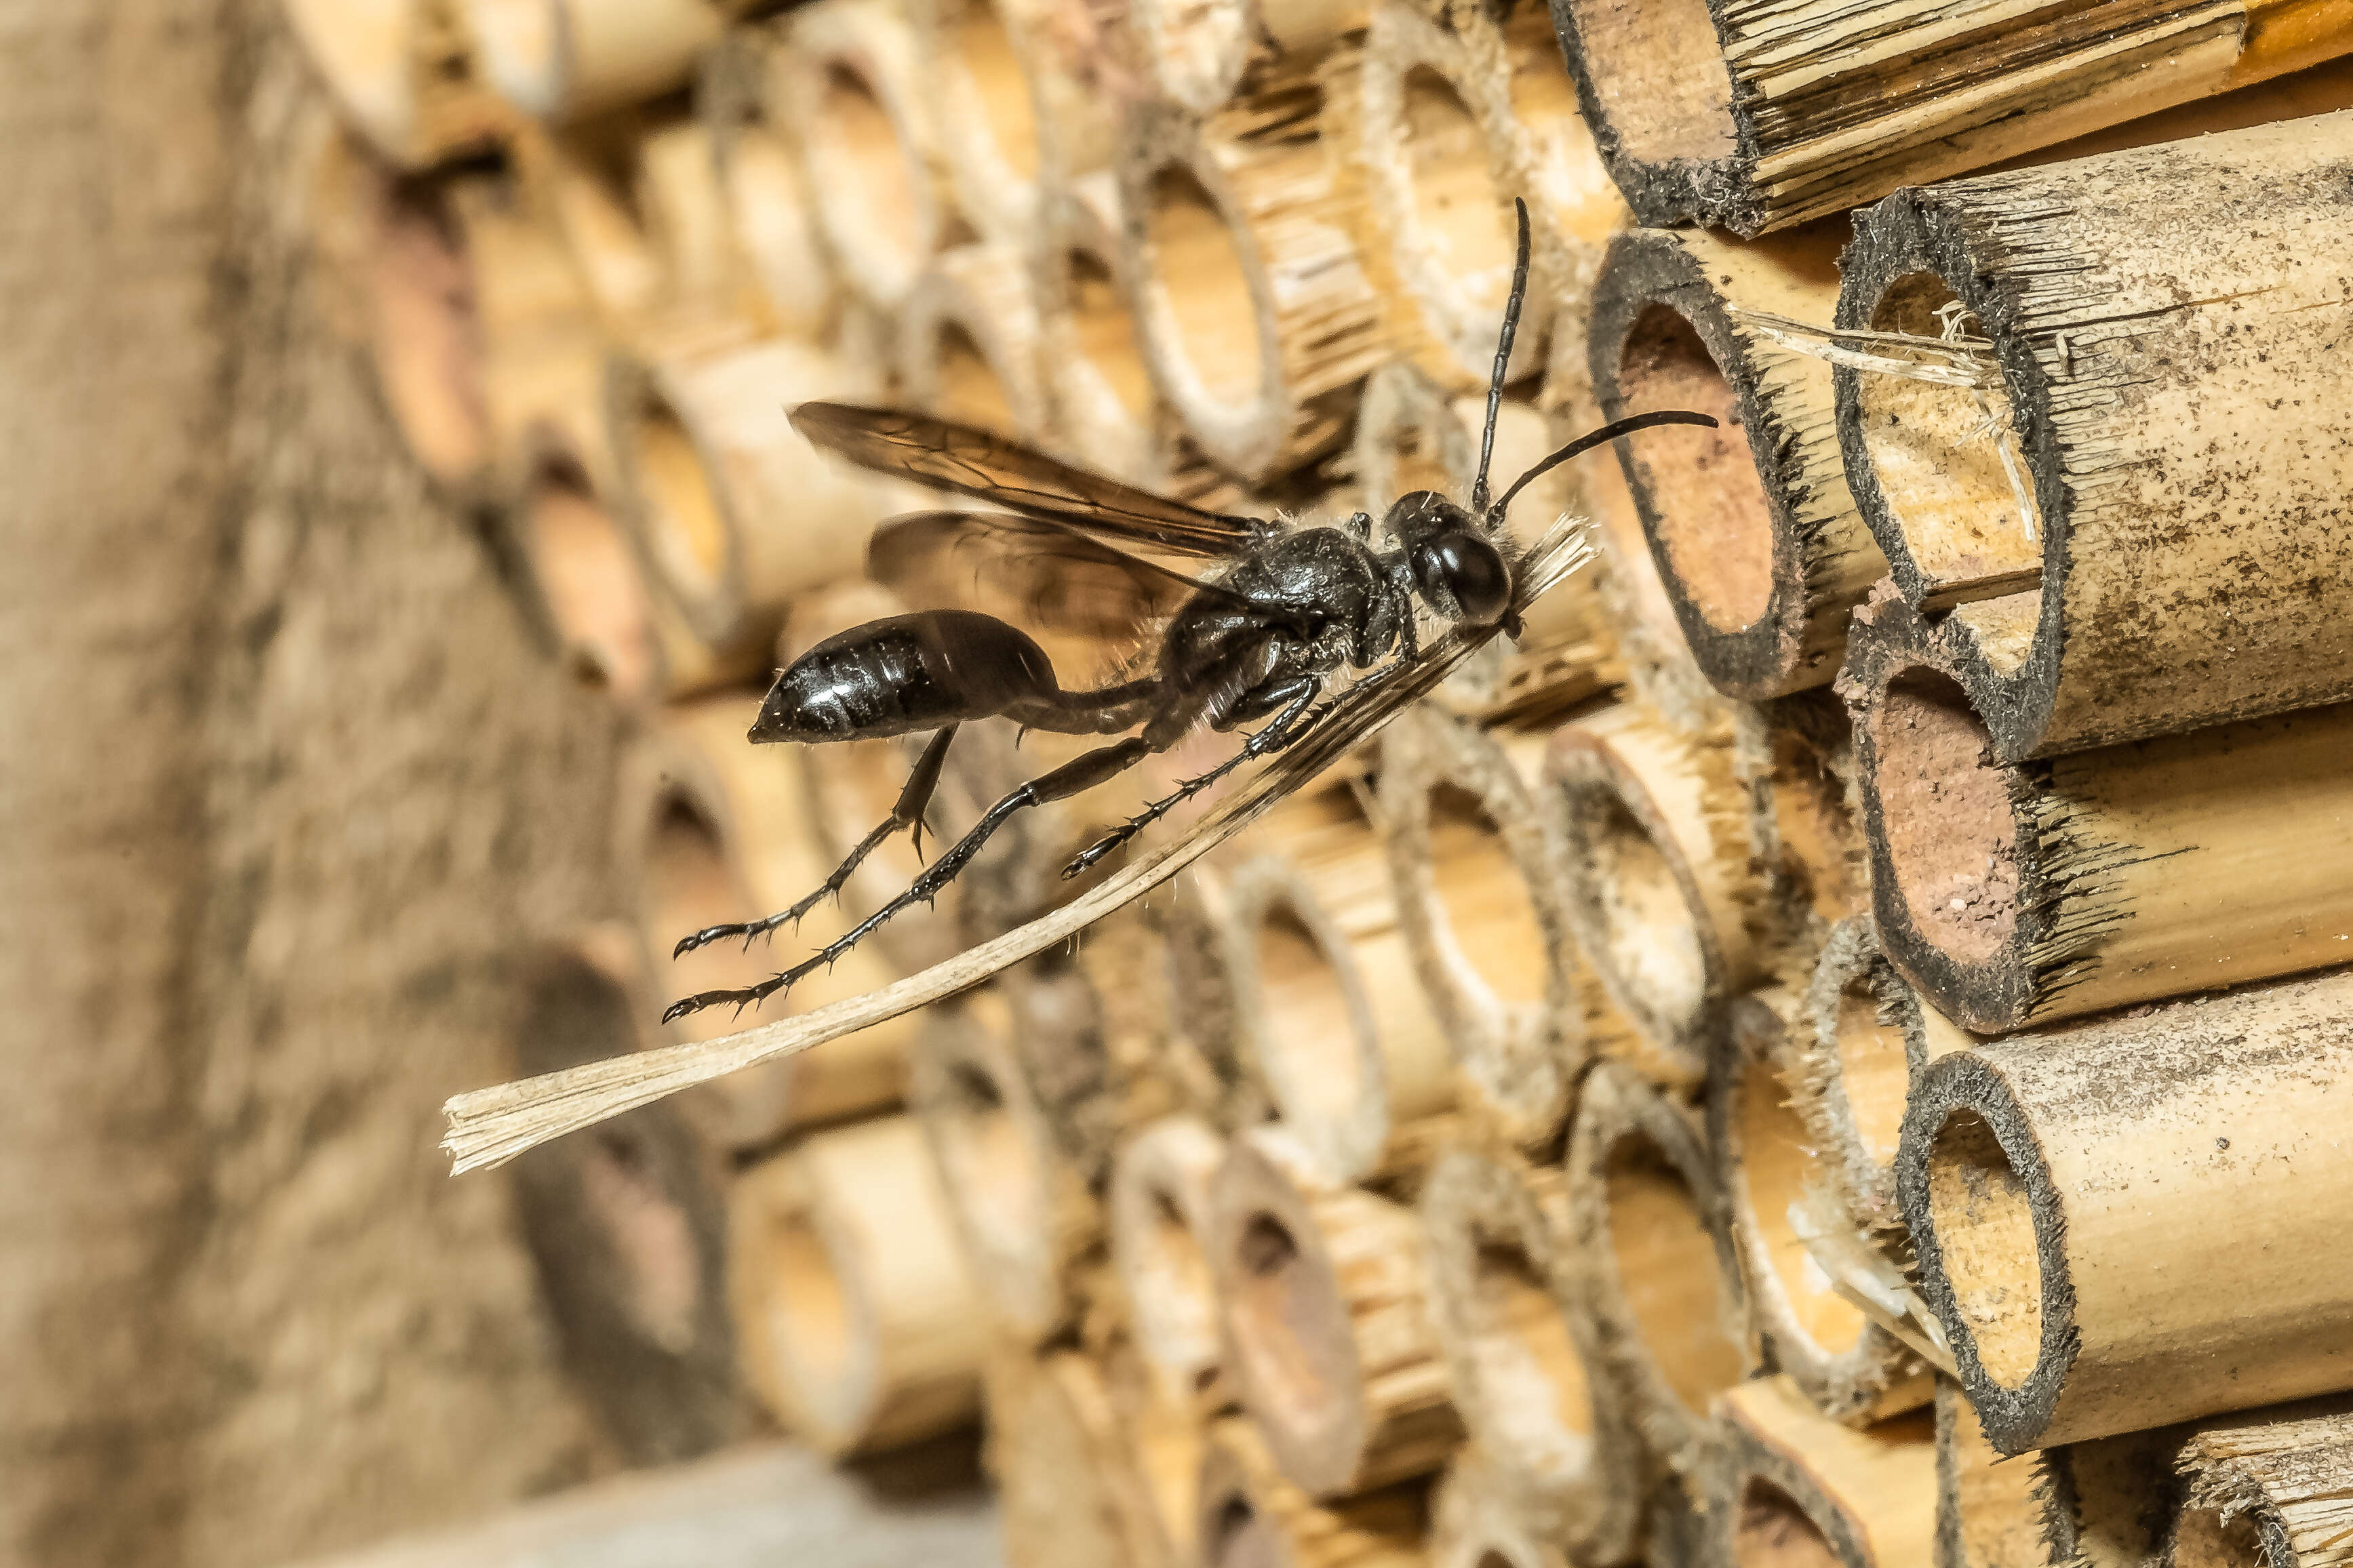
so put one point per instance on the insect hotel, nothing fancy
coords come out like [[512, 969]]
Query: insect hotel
[[1821, 1036]]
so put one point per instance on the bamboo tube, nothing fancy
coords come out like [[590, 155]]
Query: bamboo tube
[[861, 1325], [1473, 1523], [626, 1227], [1855, 1056], [1011, 122], [780, 258], [1252, 1515], [1099, 400], [401, 74], [1757, 539], [716, 831], [1797, 757], [1473, 871], [2270, 1491], [968, 342], [1326, 1332], [1557, 1452], [1781, 1190], [1022, 1211], [1328, 1016], [2109, 1502], [2116, 331], [847, 86], [1794, 1487], [1165, 1444], [2020, 895], [1201, 57], [1650, 1243], [733, 510], [1675, 1526], [1070, 1494], [1665, 898], [1168, 1004], [1761, 118], [1987, 1512], [590, 179], [687, 219], [560, 61], [2074, 1308], [1256, 319], [1158, 1212]]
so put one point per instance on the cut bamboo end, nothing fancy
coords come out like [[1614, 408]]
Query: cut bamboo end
[[847, 85], [1326, 1328], [1857, 1047], [1479, 896], [688, 221], [1158, 1212], [560, 61], [1758, 118], [772, 212], [2266, 1492], [1252, 1515], [1474, 1522], [1797, 757], [1168, 1004], [2030, 526], [1988, 1513], [715, 831], [2110, 1499], [1755, 538], [401, 74], [1794, 1487], [1201, 57], [586, 179], [1256, 319], [1069, 1487], [1654, 1257], [1782, 1191], [2042, 890], [587, 590], [968, 343], [1021, 1209], [1165, 1443], [1099, 399], [735, 512], [1665, 898], [1557, 1452], [860, 1325], [975, 62], [2024, 1172]]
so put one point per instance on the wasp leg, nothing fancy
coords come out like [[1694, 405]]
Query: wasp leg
[[1278, 732], [1081, 773], [913, 800]]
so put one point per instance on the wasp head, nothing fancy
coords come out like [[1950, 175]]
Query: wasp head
[[1456, 569]]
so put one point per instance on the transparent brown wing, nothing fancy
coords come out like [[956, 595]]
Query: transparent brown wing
[[988, 468]]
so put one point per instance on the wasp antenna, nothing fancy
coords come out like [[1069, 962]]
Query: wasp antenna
[[1592, 438], [1502, 361]]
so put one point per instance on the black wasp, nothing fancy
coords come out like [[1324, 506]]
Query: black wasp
[[1259, 639]]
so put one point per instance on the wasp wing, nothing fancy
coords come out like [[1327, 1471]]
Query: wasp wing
[[973, 462]]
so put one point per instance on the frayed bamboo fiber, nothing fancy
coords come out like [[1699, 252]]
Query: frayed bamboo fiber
[[1021, 1210], [1552, 1445], [1158, 1212], [1327, 1014], [1199, 57], [1252, 1516], [1755, 535], [1797, 757], [1758, 116], [1474, 1524], [1793, 1489], [402, 73], [1652, 1249], [1256, 319], [2276, 1491], [847, 86], [787, 277], [1987, 1512], [717, 831], [1069, 1491], [2074, 1196], [1479, 895], [859, 1325], [1782, 1193], [1099, 406], [1322, 1294], [2020, 895], [968, 343], [2108, 1502], [1663, 896], [733, 510], [559, 60], [2145, 328]]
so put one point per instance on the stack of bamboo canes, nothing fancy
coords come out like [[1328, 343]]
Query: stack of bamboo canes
[[1850, 1001]]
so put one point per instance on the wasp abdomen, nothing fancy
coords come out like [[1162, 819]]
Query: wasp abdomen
[[905, 674]]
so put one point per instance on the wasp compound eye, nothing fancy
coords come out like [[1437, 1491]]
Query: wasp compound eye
[[1468, 570]]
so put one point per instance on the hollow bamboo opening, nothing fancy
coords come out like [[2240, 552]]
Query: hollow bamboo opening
[[1242, 1537], [1538, 1396], [1000, 89], [1874, 1073], [1659, 76], [427, 342], [1667, 1270], [1773, 1532], [1458, 223], [1176, 1264], [1207, 289], [588, 583], [1815, 826], [1780, 1166], [689, 882], [768, 197], [1951, 836], [2202, 1538], [820, 1334], [1104, 331], [1939, 466], [1312, 1037], [1652, 939], [1712, 516], [989, 1163], [1985, 1235], [862, 168], [1289, 1324], [685, 527], [1484, 897]]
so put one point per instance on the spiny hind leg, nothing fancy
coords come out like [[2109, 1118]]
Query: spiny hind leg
[[1081, 773], [908, 814]]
